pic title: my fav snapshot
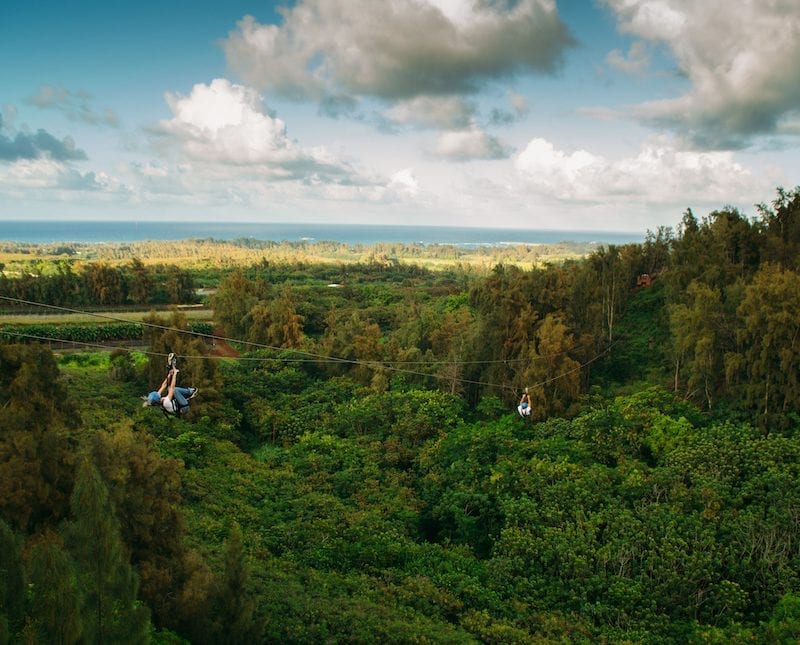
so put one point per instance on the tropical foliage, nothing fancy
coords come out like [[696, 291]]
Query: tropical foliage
[[358, 472]]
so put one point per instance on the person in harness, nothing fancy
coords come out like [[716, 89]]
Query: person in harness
[[524, 407], [176, 400]]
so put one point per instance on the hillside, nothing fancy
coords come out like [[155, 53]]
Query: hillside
[[355, 469]]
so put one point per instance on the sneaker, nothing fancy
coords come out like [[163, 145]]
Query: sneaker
[[192, 392]]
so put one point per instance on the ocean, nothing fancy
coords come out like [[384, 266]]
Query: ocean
[[73, 231]]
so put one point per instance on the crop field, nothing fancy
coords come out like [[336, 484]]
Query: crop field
[[193, 314]]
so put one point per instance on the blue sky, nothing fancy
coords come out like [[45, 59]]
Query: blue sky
[[605, 115]]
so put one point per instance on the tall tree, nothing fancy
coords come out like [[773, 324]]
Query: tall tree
[[552, 376], [12, 583], [770, 332], [111, 611], [179, 285], [55, 596], [614, 272], [276, 322], [697, 330], [141, 282], [235, 604], [781, 224], [36, 416], [145, 491], [105, 284], [233, 301]]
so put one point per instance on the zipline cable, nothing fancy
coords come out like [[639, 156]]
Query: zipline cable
[[315, 357], [322, 357]]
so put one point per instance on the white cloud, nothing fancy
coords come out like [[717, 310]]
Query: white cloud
[[660, 174], [45, 175], [343, 50], [738, 57], [466, 145], [555, 172], [227, 124], [404, 181]]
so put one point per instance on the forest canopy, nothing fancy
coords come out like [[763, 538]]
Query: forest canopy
[[355, 469]]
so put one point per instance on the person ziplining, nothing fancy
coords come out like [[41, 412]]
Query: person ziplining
[[176, 400], [524, 407]]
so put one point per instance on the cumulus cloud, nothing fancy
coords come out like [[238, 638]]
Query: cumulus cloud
[[344, 50], [660, 174], [740, 63], [34, 145], [75, 105], [227, 124], [466, 145]]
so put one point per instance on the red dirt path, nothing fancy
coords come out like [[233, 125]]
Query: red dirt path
[[220, 347]]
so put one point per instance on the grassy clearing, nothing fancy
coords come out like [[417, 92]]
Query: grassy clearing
[[100, 317]]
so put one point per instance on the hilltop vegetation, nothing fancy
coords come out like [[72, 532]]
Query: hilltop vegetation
[[198, 254], [360, 474]]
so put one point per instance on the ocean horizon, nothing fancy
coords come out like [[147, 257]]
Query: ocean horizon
[[114, 231]]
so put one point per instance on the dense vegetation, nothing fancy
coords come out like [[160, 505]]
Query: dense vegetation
[[97, 283], [360, 474]]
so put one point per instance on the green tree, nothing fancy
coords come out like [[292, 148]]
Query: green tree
[[55, 596], [235, 604], [276, 322], [36, 459], [697, 332], [453, 342], [781, 226], [141, 282], [770, 333], [354, 341], [784, 624], [12, 583], [551, 375], [233, 301], [179, 285], [290, 322], [614, 276], [145, 491], [105, 284], [111, 611]]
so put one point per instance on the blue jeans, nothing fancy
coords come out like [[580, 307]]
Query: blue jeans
[[181, 394]]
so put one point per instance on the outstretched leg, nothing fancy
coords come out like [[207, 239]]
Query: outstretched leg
[[181, 395]]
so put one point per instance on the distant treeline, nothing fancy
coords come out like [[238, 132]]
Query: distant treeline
[[99, 283], [208, 252]]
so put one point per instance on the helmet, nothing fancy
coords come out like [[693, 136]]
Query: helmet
[[154, 398]]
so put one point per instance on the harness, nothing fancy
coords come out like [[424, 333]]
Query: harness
[[177, 410]]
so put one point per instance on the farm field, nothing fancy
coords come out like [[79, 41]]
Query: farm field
[[191, 312]]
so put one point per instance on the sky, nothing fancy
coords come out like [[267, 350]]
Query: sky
[[602, 115]]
